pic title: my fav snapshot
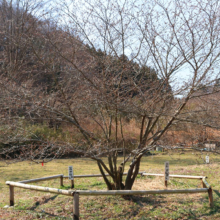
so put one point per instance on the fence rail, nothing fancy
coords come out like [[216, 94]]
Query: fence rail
[[75, 194], [175, 176], [96, 175], [41, 179], [105, 192]]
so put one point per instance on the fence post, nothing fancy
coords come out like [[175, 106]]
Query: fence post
[[11, 195], [76, 206], [203, 184], [210, 197], [61, 180], [72, 184]]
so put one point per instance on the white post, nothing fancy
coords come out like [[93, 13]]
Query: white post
[[207, 159], [71, 176], [166, 174]]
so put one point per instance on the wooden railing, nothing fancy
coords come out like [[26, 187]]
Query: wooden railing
[[76, 193]]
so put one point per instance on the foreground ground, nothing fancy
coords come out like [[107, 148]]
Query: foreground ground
[[39, 205]]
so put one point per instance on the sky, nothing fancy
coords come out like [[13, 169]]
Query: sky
[[101, 25]]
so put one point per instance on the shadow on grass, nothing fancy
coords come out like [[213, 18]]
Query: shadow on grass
[[217, 193], [44, 214], [121, 207], [176, 212], [142, 200], [214, 210], [40, 203]]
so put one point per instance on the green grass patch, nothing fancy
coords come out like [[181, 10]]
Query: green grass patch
[[34, 204]]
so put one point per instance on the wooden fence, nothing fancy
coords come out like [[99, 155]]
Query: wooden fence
[[206, 188]]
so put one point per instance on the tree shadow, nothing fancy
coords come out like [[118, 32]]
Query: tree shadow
[[141, 200]]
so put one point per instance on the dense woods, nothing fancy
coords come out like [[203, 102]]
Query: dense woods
[[105, 79]]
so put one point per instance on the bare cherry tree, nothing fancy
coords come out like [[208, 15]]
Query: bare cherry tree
[[141, 50]]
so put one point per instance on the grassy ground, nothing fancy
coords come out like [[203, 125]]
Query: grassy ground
[[39, 205]]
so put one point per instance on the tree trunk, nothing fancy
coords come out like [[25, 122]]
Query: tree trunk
[[132, 173]]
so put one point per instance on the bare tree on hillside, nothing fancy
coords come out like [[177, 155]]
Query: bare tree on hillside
[[22, 78]]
